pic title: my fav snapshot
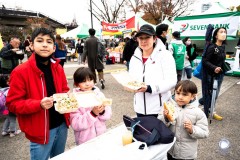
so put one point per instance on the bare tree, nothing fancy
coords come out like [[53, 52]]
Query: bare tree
[[156, 10], [106, 11], [135, 5]]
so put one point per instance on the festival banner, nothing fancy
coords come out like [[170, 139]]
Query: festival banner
[[118, 28]]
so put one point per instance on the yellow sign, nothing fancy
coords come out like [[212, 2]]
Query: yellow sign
[[1, 42], [61, 30]]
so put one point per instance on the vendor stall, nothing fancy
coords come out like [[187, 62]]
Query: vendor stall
[[109, 147]]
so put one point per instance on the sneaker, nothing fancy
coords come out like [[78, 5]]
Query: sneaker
[[12, 135], [17, 132], [4, 133], [217, 117], [102, 84]]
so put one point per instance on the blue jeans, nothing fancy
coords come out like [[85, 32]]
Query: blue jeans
[[55, 146], [207, 88], [188, 71]]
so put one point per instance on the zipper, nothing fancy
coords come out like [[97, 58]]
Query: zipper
[[144, 96], [45, 112]]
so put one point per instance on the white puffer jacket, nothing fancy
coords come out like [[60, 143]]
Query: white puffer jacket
[[159, 71]]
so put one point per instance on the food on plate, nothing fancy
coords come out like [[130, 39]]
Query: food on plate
[[65, 103], [171, 110], [133, 85], [136, 84], [107, 101]]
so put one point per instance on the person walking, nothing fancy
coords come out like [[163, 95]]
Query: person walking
[[94, 58], [129, 49], [79, 50], [212, 68], [156, 69], [32, 86]]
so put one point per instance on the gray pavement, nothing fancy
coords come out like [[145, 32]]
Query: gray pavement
[[17, 148]]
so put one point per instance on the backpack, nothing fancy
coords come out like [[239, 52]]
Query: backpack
[[149, 129], [100, 49], [198, 71]]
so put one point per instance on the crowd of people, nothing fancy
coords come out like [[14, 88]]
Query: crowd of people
[[149, 59]]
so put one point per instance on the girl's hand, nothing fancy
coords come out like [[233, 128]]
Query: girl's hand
[[188, 126], [101, 108], [95, 110]]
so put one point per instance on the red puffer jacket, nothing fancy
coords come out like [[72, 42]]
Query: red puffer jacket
[[27, 89]]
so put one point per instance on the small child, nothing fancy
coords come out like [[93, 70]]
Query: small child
[[190, 123], [88, 123], [10, 125]]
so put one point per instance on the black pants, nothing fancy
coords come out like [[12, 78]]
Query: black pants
[[143, 115], [169, 156]]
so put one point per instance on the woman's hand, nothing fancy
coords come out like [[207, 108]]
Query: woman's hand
[[142, 89], [218, 70]]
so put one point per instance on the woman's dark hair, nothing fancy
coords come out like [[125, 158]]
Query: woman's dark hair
[[214, 40], [81, 74], [185, 40], [160, 28], [43, 31], [186, 86], [134, 32]]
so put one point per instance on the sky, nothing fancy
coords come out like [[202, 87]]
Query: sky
[[65, 11]]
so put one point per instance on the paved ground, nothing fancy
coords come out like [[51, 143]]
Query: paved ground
[[17, 148]]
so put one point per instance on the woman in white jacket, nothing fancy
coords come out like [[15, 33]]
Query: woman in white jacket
[[156, 68]]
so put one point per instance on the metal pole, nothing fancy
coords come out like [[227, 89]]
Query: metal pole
[[91, 13]]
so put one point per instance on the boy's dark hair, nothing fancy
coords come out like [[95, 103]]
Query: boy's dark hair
[[43, 31], [214, 40], [160, 28], [186, 86], [83, 73], [92, 31]]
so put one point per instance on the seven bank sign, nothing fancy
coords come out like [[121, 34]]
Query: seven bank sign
[[197, 25], [185, 26]]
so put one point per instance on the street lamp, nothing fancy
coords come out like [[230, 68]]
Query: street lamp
[[91, 13]]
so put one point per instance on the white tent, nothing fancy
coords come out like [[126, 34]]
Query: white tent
[[216, 8], [72, 34]]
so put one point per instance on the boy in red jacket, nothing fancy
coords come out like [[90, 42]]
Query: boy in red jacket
[[32, 85]]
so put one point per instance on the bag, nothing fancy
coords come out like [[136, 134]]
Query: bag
[[101, 50], [149, 129], [198, 71], [226, 67], [3, 92]]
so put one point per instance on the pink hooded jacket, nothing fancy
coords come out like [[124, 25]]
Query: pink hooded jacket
[[85, 125]]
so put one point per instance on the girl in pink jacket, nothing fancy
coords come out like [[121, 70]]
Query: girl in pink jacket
[[88, 123]]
